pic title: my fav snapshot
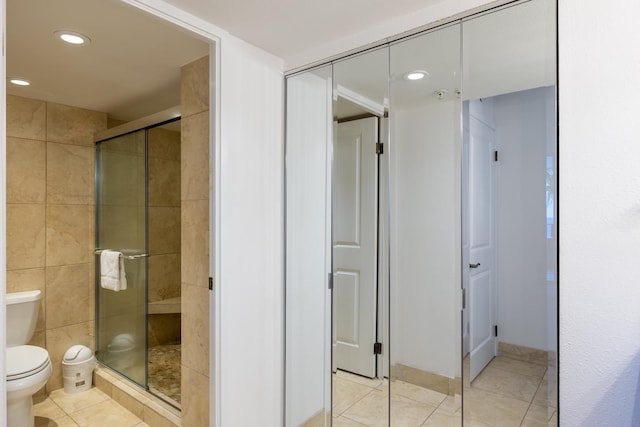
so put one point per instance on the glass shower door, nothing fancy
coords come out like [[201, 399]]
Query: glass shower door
[[121, 225]]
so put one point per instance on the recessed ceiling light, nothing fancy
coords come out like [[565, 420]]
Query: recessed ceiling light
[[415, 75], [72, 37], [19, 82]]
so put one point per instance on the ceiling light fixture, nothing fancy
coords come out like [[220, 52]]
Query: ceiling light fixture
[[72, 37], [19, 82], [415, 75]]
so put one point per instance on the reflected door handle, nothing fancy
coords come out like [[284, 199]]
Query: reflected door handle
[[476, 265]]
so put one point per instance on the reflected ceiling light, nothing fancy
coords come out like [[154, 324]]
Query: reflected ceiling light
[[19, 82], [72, 37], [415, 75]]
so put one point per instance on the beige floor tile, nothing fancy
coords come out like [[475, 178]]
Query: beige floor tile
[[48, 409], [537, 413], [441, 419], [409, 413], [65, 421], [74, 402], [518, 366], [346, 393], [371, 410], [474, 423], [448, 414], [346, 422], [105, 414], [546, 395], [451, 405], [417, 393], [371, 382], [493, 409], [508, 384]]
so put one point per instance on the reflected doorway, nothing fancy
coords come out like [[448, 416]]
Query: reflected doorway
[[509, 235]]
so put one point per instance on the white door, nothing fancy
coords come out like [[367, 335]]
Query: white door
[[355, 206], [481, 288]]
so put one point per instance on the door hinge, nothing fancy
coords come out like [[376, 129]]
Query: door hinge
[[330, 281], [495, 330], [377, 348], [495, 156], [379, 147], [464, 298], [210, 283]]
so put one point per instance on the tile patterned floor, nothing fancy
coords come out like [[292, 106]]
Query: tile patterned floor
[[360, 401], [91, 408], [508, 393], [511, 392], [164, 372]]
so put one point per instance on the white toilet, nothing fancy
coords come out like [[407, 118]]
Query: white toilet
[[28, 366]]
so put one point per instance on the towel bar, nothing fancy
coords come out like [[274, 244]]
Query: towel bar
[[99, 251]]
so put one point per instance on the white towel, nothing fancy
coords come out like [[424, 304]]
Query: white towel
[[112, 274]]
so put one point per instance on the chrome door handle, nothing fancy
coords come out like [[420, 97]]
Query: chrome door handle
[[476, 265]]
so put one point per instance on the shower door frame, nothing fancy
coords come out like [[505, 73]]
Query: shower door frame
[[145, 124]]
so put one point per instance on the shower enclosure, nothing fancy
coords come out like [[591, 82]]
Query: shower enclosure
[[138, 214]]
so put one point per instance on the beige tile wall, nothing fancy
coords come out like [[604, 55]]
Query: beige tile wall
[[195, 242], [50, 218], [164, 232]]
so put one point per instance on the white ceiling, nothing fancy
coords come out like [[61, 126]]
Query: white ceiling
[[287, 27], [131, 68]]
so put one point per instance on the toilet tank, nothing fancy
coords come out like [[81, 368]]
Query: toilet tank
[[22, 316]]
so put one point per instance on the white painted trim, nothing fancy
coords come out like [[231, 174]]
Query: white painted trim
[[176, 16], [366, 103], [214, 241], [391, 29]]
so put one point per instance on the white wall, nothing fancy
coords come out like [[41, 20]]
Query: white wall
[[524, 130], [424, 237], [599, 213], [250, 288]]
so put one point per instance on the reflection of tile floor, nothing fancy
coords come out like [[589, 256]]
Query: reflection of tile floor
[[360, 401], [510, 392], [164, 372], [91, 408]]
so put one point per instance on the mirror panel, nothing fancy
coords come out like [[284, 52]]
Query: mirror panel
[[308, 237], [360, 109], [425, 229], [442, 249], [509, 215]]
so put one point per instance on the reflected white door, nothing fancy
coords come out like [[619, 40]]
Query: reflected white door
[[481, 288], [355, 206]]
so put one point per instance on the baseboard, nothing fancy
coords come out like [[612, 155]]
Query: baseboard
[[425, 379]]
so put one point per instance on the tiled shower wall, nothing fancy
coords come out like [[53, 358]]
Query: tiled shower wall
[[50, 219], [195, 242], [164, 232]]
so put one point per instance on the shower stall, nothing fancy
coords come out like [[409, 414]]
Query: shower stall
[[138, 215]]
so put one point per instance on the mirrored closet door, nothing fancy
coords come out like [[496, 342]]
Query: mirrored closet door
[[421, 227]]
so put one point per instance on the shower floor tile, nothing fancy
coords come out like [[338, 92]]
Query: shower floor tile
[[164, 371]]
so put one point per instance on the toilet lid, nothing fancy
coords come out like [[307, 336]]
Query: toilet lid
[[25, 360]]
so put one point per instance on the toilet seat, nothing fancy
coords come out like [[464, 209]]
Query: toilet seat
[[25, 360]]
